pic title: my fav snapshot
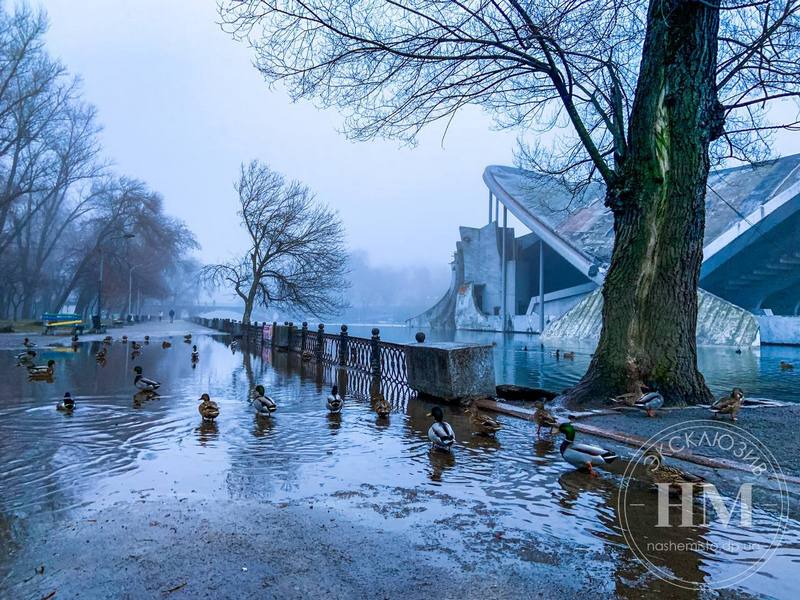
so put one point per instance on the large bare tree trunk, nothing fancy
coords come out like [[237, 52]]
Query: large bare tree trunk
[[650, 291]]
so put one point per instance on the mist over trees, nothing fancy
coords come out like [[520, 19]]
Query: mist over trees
[[60, 203], [644, 95], [389, 293]]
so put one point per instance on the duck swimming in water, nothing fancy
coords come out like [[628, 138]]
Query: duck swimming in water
[[195, 354], [108, 339], [26, 359], [147, 339], [440, 433], [124, 339], [481, 423], [42, 371], [786, 366], [673, 477], [208, 409], [335, 403], [263, 404], [188, 338], [729, 405], [165, 344], [143, 384], [583, 456], [28, 344], [66, 404]]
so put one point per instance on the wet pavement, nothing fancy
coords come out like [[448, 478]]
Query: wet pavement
[[128, 499]]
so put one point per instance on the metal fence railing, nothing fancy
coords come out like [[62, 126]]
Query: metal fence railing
[[366, 364]]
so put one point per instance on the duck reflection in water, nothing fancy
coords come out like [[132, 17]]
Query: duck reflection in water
[[207, 432], [440, 463], [334, 422], [262, 425], [139, 398]]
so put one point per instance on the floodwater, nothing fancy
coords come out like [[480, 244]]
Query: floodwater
[[54, 464], [520, 359]]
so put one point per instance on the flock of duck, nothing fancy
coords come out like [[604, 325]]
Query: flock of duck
[[440, 433]]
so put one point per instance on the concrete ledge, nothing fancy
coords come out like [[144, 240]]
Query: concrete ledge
[[450, 371]]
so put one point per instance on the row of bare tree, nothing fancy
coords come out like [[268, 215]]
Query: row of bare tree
[[61, 208]]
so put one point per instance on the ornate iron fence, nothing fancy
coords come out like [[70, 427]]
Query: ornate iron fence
[[370, 364]]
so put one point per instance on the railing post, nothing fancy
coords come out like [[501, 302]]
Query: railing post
[[343, 347], [273, 333], [289, 337], [303, 337], [375, 353], [320, 349]]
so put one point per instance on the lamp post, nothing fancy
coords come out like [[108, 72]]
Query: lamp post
[[130, 286], [124, 236]]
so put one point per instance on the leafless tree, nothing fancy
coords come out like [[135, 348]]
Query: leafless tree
[[296, 256], [642, 94]]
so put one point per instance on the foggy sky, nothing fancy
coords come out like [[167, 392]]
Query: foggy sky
[[182, 105]]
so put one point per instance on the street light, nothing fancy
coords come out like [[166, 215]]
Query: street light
[[125, 236]]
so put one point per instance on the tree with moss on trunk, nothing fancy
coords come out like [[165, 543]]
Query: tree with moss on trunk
[[644, 96], [296, 257]]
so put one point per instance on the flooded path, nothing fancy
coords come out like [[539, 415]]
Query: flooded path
[[499, 518]]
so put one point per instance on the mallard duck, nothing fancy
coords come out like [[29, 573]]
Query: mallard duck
[[381, 405], [66, 404], [108, 339], [440, 433], [569, 355], [481, 423], [136, 346], [101, 354], [144, 384], [729, 405], [147, 339], [165, 344], [582, 455], [187, 338], [208, 409], [124, 339], [650, 403], [42, 371], [335, 402], [28, 344], [263, 404], [786, 366], [195, 354], [26, 359], [543, 418], [675, 478]]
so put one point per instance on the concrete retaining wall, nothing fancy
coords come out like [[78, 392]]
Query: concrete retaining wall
[[718, 322]]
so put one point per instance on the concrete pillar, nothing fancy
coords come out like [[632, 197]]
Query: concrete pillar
[[505, 270], [541, 287]]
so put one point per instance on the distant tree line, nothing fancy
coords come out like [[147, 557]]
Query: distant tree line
[[61, 208]]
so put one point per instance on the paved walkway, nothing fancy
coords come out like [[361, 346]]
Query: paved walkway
[[154, 329]]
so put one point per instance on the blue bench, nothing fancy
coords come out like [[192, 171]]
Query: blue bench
[[51, 321]]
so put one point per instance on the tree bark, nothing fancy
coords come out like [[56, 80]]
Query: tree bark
[[658, 201]]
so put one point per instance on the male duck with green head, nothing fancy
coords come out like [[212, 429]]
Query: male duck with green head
[[583, 456]]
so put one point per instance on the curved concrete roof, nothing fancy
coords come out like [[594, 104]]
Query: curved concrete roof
[[743, 206]]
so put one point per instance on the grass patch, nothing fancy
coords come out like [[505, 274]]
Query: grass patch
[[20, 326]]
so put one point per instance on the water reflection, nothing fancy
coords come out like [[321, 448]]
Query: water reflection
[[53, 464]]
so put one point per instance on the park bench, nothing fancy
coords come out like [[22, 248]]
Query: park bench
[[54, 321]]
